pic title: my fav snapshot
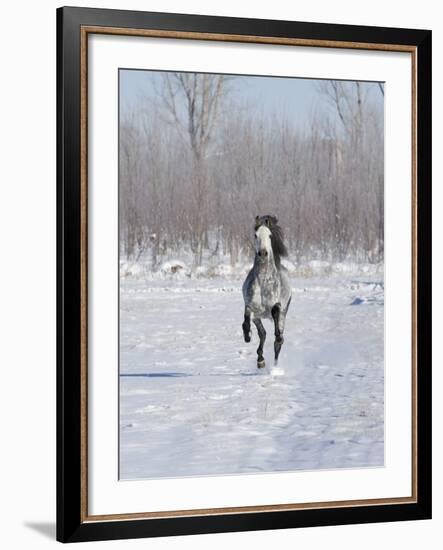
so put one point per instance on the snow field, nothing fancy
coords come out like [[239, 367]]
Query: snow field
[[193, 403]]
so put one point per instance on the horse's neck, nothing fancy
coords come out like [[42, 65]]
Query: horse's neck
[[266, 269]]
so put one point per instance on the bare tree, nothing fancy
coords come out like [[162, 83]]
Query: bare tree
[[191, 102]]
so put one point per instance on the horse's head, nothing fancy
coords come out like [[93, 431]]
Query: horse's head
[[269, 238], [263, 245]]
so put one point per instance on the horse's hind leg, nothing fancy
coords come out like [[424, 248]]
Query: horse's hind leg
[[246, 326], [262, 335], [279, 325]]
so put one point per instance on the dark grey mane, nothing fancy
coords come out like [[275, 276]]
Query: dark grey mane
[[278, 246]]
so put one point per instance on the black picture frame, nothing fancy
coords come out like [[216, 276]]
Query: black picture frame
[[72, 525]]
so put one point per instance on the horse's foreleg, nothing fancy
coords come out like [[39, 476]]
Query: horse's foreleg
[[279, 325], [262, 335], [246, 326]]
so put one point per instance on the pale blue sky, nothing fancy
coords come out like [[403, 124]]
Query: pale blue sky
[[293, 97]]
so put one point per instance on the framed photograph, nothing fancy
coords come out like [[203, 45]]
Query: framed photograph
[[244, 274]]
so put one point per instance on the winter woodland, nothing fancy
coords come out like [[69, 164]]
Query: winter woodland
[[198, 162]]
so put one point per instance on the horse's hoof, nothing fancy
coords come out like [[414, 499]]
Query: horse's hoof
[[261, 364], [247, 338]]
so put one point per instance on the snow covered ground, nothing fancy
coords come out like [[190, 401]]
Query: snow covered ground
[[192, 401]]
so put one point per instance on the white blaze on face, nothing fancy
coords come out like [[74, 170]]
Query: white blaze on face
[[263, 240]]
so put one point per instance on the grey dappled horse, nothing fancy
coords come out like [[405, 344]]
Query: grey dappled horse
[[266, 290]]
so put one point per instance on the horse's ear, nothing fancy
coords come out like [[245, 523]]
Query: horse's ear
[[271, 221], [257, 219]]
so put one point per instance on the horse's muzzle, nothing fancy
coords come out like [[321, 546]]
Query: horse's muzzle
[[263, 253]]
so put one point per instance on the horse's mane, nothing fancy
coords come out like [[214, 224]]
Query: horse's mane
[[278, 246]]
